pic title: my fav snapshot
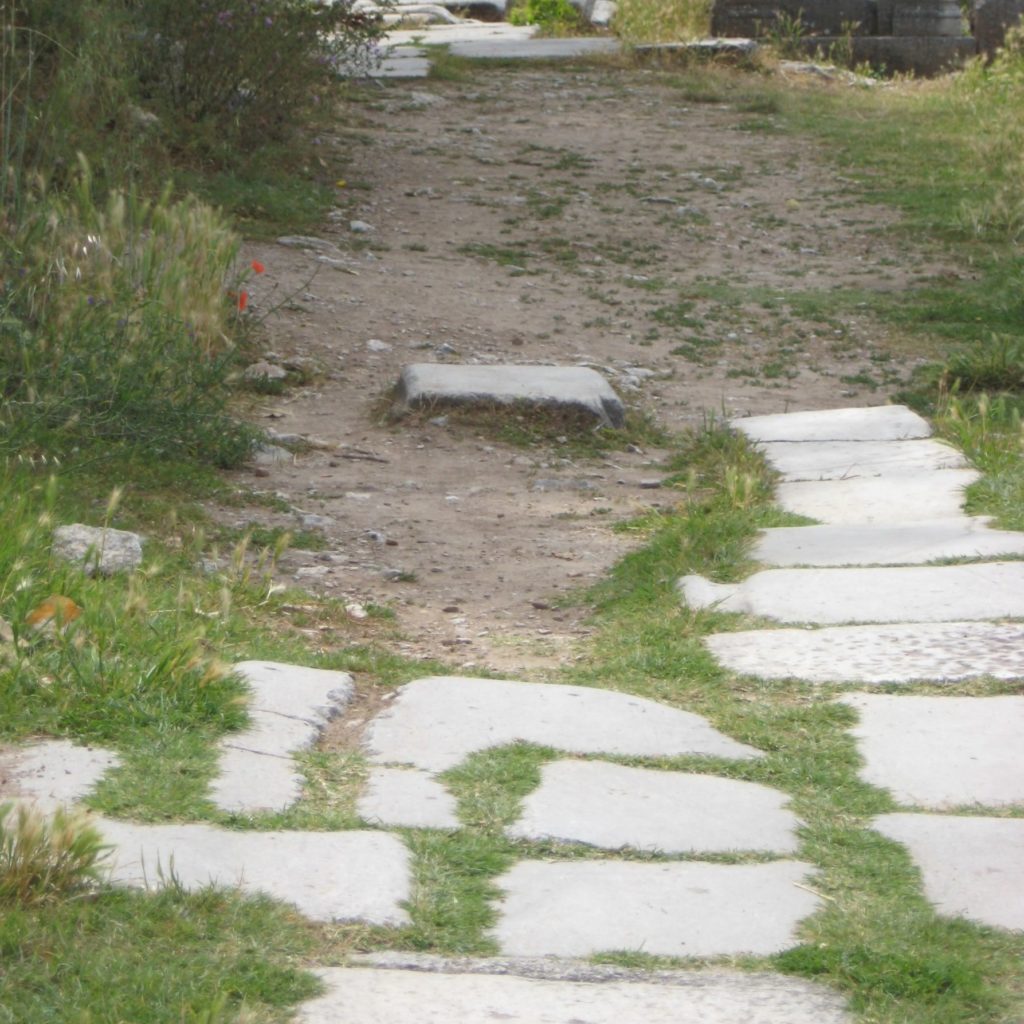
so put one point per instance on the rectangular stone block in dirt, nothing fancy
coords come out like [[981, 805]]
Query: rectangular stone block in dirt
[[847, 460], [564, 994], [573, 389]]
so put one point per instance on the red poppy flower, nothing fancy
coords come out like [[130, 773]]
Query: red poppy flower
[[243, 300], [257, 267]]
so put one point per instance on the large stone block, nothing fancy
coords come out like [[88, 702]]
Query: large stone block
[[991, 19], [817, 17]]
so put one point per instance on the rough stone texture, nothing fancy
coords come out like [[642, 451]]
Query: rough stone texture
[[568, 387], [462, 32], [881, 544], [875, 423], [942, 752], [757, 17], [368, 995], [53, 773], [403, 62], [288, 708], [97, 550], [329, 876], [919, 55], [542, 49], [972, 867], [613, 806], [879, 500], [948, 593], [991, 20], [407, 798], [937, 651], [436, 723], [843, 460], [578, 908]]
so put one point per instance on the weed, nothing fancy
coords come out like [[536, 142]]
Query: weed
[[44, 859], [662, 21]]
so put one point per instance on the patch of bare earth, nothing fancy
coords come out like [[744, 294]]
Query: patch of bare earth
[[553, 216]]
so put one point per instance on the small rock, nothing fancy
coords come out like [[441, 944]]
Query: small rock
[[311, 521], [263, 371], [312, 571], [308, 242], [439, 421], [376, 345], [360, 227], [356, 611], [650, 485], [98, 550], [271, 455]]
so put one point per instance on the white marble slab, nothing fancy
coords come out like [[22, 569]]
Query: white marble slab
[[875, 423]]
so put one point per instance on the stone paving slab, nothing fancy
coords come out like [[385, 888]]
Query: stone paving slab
[[901, 653], [845, 460], [884, 544], [577, 388], [911, 498], [53, 773], [369, 995], [875, 423], [540, 49], [971, 867], [288, 707], [579, 908], [942, 752], [329, 876], [403, 62], [948, 593], [436, 723], [407, 798], [614, 806], [463, 32]]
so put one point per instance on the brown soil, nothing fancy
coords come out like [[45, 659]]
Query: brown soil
[[545, 215]]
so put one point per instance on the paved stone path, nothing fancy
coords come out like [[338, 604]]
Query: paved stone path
[[693, 864]]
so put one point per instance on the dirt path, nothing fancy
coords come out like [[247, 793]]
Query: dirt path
[[564, 216]]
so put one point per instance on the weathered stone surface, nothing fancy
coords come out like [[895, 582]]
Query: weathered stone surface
[[844, 460], [882, 544], [407, 798], [612, 806], [937, 651], [98, 550], [461, 32], [912, 498], [289, 706], [436, 723], [575, 388], [991, 20], [759, 17], [329, 876], [469, 993], [578, 908], [403, 62], [543, 49], [972, 867], [874, 423], [988, 590], [942, 752], [926, 18], [53, 773]]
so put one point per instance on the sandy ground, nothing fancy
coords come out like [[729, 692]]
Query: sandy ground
[[546, 216]]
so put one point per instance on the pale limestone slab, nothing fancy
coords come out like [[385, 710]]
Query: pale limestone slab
[[614, 806], [942, 752], [948, 593], [329, 876], [368, 995], [845, 460], [568, 387], [288, 707], [462, 32], [407, 798], [886, 544], [578, 908], [901, 653], [971, 867], [876, 423], [531, 49], [911, 498], [436, 723], [53, 773]]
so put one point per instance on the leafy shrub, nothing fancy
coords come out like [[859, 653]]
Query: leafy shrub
[[43, 859], [662, 21], [551, 15], [993, 365], [251, 67]]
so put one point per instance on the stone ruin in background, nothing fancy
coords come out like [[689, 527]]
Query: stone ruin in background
[[920, 36]]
